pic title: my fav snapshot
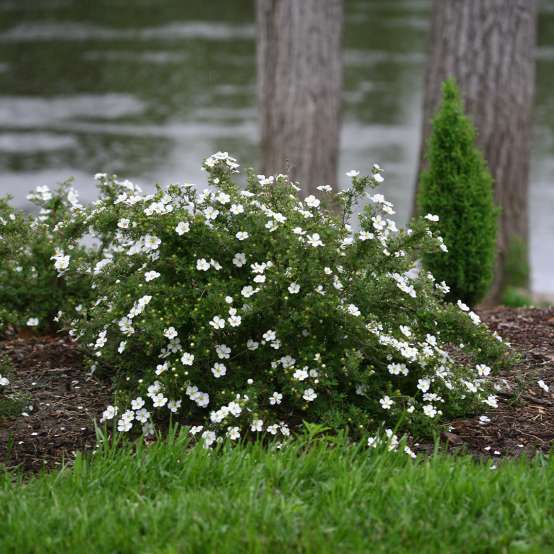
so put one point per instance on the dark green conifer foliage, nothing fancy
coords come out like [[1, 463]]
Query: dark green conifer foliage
[[458, 187]]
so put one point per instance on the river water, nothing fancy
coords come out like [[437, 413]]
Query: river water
[[147, 92]]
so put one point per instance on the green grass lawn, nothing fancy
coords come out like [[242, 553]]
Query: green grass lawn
[[305, 498]]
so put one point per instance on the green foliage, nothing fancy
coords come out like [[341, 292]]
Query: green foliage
[[458, 187], [32, 291], [305, 498], [245, 312], [516, 298], [516, 266]]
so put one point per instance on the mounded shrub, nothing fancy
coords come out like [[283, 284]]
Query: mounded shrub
[[246, 312], [458, 188], [32, 290]]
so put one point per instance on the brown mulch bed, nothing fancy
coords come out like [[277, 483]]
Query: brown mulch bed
[[66, 400], [523, 423], [61, 403]]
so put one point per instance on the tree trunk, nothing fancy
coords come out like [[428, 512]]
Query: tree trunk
[[488, 47], [299, 86]]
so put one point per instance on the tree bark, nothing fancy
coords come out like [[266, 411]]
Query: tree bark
[[488, 47], [299, 86]]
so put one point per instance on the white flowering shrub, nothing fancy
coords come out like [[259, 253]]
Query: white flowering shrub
[[33, 285], [250, 311]]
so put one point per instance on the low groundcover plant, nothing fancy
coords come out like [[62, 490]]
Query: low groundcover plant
[[247, 312]]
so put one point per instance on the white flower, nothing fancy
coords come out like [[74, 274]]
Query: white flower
[[223, 351], [174, 405], [484, 420], [223, 198], [161, 368], [312, 201], [483, 370], [364, 235], [242, 235], [154, 388], [294, 288], [109, 413], [187, 358], [429, 410], [431, 217], [148, 429], [252, 344], [372, 442], [128, 415], [443, 287], [257, 426], [263, 180], [300, 374], [352, 173], [233, 433], [170, 333], [315, 240], [151, 275], [353, 310], [410, 452], [269, 335], [4, 382], [423, 384], [248, 291], [233, 319], [217, 322], [287, 361], [309, 395], [386, 403], [237, 209], [474, 317], [219, 370], [137, 403], [210, 213], [182, 228], [159, 400], [543, 385], [491, 401], [378, 178], [405, 330], [275, 398], [272, 429], [123, 223], [397, 369], [325, 188], [239, 259], [151, 242], [32, 322], [462, 306], [209, 438], [202, 264], [124, 425], [142, 415], [62, 261]]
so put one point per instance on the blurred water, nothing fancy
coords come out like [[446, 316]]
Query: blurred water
[[147, 91]]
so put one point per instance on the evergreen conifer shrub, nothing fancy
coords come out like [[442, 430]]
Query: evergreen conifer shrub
[[458, 187]]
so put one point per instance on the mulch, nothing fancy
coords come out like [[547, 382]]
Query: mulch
[[64, 400], [523, 423]]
